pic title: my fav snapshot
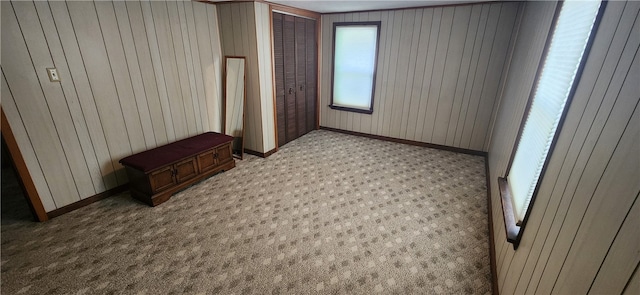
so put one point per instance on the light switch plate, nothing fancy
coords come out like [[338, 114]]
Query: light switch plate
[[53, 75]]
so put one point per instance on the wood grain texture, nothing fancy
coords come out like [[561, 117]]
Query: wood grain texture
[[574, 226], [633, 286], [129, 82], [56, 101], [265, 64], [616, 267], [295, 75], [33, 111], [245, 31], [438, 73], [31, 192]]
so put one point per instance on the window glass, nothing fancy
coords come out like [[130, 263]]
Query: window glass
[[568, 44], [354, 64]]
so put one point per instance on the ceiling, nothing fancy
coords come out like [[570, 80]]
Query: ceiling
[[330, 6]]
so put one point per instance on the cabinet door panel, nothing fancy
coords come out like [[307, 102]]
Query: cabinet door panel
[[224, 153], [278, 56], [186, 169], [312, 72], [207, 160], [301, 57], [290, 77], [162, 179]]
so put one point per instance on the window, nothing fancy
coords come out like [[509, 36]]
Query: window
[[355, 52], [555, 86]]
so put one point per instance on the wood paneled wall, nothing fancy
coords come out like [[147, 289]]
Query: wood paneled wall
[[265, 67], [439, 72], [581, 236], [245, 30], [134, 75]]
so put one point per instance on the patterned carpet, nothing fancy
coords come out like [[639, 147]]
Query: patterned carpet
[[329, 213]]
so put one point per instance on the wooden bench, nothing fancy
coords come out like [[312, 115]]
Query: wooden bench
[[156, 174]]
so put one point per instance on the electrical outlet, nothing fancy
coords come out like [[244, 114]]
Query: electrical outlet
[[53, 75]]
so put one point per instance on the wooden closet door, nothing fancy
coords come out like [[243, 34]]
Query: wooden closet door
[[278, 56], [301, 73], [311, 75], [295, 63], [290, 77]]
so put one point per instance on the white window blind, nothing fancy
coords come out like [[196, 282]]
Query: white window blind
[[561, 63], [355, 49]]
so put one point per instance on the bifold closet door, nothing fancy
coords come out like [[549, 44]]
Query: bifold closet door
[[289, 51], [312, 74], [278, 56], [295, 57], [301, 76]]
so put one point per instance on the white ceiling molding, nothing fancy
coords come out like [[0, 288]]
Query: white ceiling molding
[[333, 6]]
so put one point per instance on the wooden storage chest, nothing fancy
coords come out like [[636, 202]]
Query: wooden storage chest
[[156, 174]]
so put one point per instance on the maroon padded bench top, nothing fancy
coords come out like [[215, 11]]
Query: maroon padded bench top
[[167, 154]]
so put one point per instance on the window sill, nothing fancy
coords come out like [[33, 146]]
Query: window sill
[[512, 229], [369, 112]]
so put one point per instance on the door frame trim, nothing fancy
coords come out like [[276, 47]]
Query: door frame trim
[[31, 193], [279, 8]]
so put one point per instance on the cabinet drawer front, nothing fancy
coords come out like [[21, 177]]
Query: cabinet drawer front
[[186, 169], [224, 153], [162, 179], [207, 160]]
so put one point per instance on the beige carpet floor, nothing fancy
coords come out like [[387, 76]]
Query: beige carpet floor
[[329, 214]]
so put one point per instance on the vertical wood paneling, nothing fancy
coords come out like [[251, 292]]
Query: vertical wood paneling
[[22, 138], [326, 116], [263, 32], [482, 77], [188, 61], [151, 86], [429, 59], [420, 71], [466, 98], [159, 73], [208, 68], [80, 80], [71, 97], [593, 238], [245, 31], [193, 50], [442, 47], [430, 53], [214, 69], [616, 267], [469, 44], [607, 127], [183, 75], [127, 78], [490, 88], [120, 72], [453, 61], [96, 61], [135, 73], [402, 70], [33, 109], [578, 238], [633, 286], [395, 22], [167, 62]]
